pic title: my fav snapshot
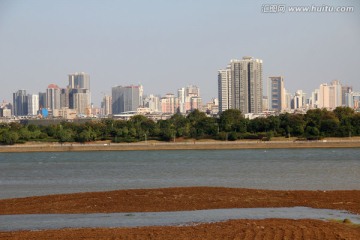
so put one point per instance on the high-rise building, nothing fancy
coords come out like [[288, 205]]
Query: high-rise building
[[224, 89], [324, 96], [169, 104], [246, 85], [42, 100], [79, 99], [276, 93], [196, 103], [20, 103], [288, 98], [81, 102], [33, 104], [247, 92], [152, 102], [352, 99], [126, 98], [53, 97], [192, 91], [300, 100], [64, 97], [345, 89], [106, 105], [78, 93], [335, 94], [79, 80], [330, 95], [184, 98], [314, 100]]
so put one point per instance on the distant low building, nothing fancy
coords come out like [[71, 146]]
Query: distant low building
[[65, 113]]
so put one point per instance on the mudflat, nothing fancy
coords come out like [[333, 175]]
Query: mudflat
[[192, 198]]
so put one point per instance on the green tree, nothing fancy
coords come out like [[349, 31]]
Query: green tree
[[329, 124], [86, 136], [312, 133], [231, 120], [65, 135], [355, 123], [9, 137], [343, 112]]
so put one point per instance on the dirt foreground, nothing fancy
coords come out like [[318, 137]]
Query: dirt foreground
[[192, 198]]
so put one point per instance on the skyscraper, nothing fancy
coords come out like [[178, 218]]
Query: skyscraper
[[330, 95], [81, 102], [106, 105], [42, 100], [224, 89], [345, 90], [182, 99], [20, 104], [33, 104], [79, 94], [152, 102], [299, 100], [53, 97], [185, 98], [126, 98], [64, 97], [247, 92], [276, 93], [79, 80], [245, 83], [169, 103]]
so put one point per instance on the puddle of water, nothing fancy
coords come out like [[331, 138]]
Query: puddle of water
[[138, 219]]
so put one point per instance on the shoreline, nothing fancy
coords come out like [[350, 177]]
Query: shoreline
[[184, 145]]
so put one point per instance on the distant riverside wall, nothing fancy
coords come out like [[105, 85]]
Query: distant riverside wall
[[190, 145]]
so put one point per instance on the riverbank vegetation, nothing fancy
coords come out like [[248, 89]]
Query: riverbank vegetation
[[230, 125]]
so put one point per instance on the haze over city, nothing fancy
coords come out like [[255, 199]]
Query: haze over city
[[165, 45]]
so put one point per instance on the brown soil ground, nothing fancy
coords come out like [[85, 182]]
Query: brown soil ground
[[269, 229], [192, 198], [175, 199]]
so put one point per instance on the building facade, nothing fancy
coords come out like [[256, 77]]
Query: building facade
[[169, 104], [224, 89], [53, 97], [20, 103], [106, 105], [152, 102], [126, 98], [299, 101], [79, 80], [330, 95], [276, 94], [33, 104], [246, 85]]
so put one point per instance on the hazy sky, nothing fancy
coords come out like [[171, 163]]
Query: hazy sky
[[167, 44]]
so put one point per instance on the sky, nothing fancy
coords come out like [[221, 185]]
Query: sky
[[168, 44]]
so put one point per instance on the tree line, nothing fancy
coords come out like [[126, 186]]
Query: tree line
[[230, 125]]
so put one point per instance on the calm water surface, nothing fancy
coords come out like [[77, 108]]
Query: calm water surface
[[29, 174], [57, 221]]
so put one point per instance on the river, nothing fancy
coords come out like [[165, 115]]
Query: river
[[30, 174]]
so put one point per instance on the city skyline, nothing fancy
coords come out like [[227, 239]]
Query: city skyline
[[166, 45]]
